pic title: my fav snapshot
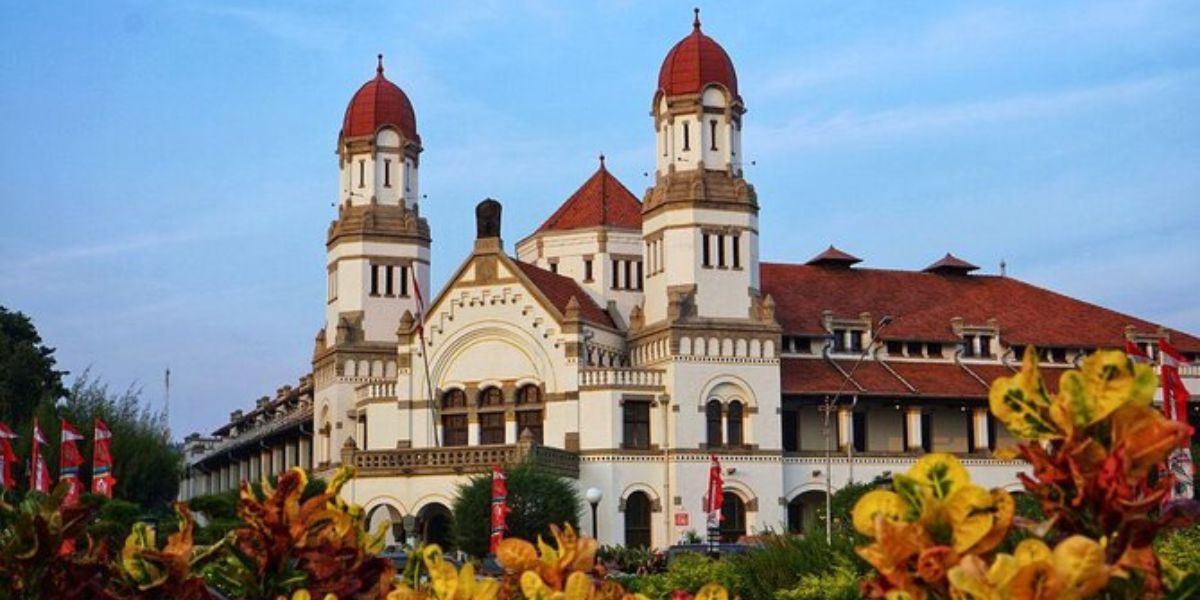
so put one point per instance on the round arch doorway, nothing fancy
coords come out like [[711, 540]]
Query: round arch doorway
[[434, 522]]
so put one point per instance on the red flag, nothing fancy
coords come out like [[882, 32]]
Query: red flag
[[500, 508], [39, 474], [7, 457], [715, 496], [102, 463], [1175, 397], [69, 461]]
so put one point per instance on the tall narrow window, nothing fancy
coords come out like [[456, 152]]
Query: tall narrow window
[[712, 421], [388, 280], [713, 134], [554, 267], [407, 177], [856, 340], [387, 172], [705, 252], [733, 518], [629, 274], [587, 269], [616, 273], [721, 251], [735, 248], [639, 275], [860, 431], [971, 441], [491, 428], [927, 432], [531, 421], [404, 280], [734, 426], [636, 424], [362, 173], [454, 430], [985, 346], [491, 397], [374, 280], [664, 141], [687, 137]]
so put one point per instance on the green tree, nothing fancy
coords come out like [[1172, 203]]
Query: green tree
[[27, 370], [537, 499]]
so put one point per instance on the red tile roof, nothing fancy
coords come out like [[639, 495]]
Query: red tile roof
[[923, 305], [817, 376], [833, 257], [602, 201], [559, 290], [694, 63], [377, 103]]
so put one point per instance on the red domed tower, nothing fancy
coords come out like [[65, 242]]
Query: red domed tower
[[378, 145], [700, 206], [377, 255]]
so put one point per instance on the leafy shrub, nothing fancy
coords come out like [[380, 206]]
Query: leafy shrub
[[839, 584], [1180, 549], [687, 572], [642, 561], [538, 499], [781, 562]]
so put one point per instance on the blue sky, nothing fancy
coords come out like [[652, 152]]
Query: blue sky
[[167, 169]]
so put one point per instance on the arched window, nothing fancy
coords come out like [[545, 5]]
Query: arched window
[[803, 512], [326, 432], [529, 394], [637, 520], [454, 399], [734, 424], [712, 417], [491, 396], [733, 518]]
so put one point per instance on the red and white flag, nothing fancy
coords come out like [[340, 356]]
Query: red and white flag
[[1175, 405], [69, 461], [500, 508], [714, 496], [7, 457], [39, 474], [102, 462]]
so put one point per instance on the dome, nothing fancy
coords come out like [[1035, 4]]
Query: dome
[[694, 63], [377, 103]]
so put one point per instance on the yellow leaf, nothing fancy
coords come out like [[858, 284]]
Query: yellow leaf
[[517, 555], [548, 553], [874, 503], [970, 512], [941, 473], [1036, 581], [1004, 508], [1022, 403], [968, 580], [301, 595], [1032, 550], [532, 586], [1079, 562], [712, 591], [578, 587], [486, 589], [444, 579]]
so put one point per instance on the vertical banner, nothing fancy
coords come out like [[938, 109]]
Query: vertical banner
[[69, 461], [7, 457], [714, 497], [102, 463], [1175, 397], [39, 475], [499, 508]]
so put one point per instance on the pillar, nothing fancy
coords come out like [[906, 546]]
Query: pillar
[[305, 446], [845, 422], [912, 424], [979, 424]]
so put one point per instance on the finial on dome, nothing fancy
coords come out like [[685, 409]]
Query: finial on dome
[[696, 19], [601, 160], [379, 67]]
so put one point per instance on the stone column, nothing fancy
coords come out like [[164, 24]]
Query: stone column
[[979, 421], [912, 421], [305, 452], [845, 420]]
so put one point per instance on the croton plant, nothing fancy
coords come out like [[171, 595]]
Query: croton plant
[[1096, 449]]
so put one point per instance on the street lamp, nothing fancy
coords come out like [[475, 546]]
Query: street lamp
[[830, 405], [594, 496]]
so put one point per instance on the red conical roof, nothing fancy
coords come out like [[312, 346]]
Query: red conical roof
[[951, 264], [377, 103], [833, 257], [694, 63], [602, 201]]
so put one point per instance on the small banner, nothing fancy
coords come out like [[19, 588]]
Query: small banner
[[499, 508], [69, 461], [39, 474], [7, 457], [102, 463]]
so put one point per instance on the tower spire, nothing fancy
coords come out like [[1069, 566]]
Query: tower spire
[[696, 19], [379, 67]]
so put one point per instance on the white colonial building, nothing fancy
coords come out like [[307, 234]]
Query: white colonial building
[[625, 342]]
